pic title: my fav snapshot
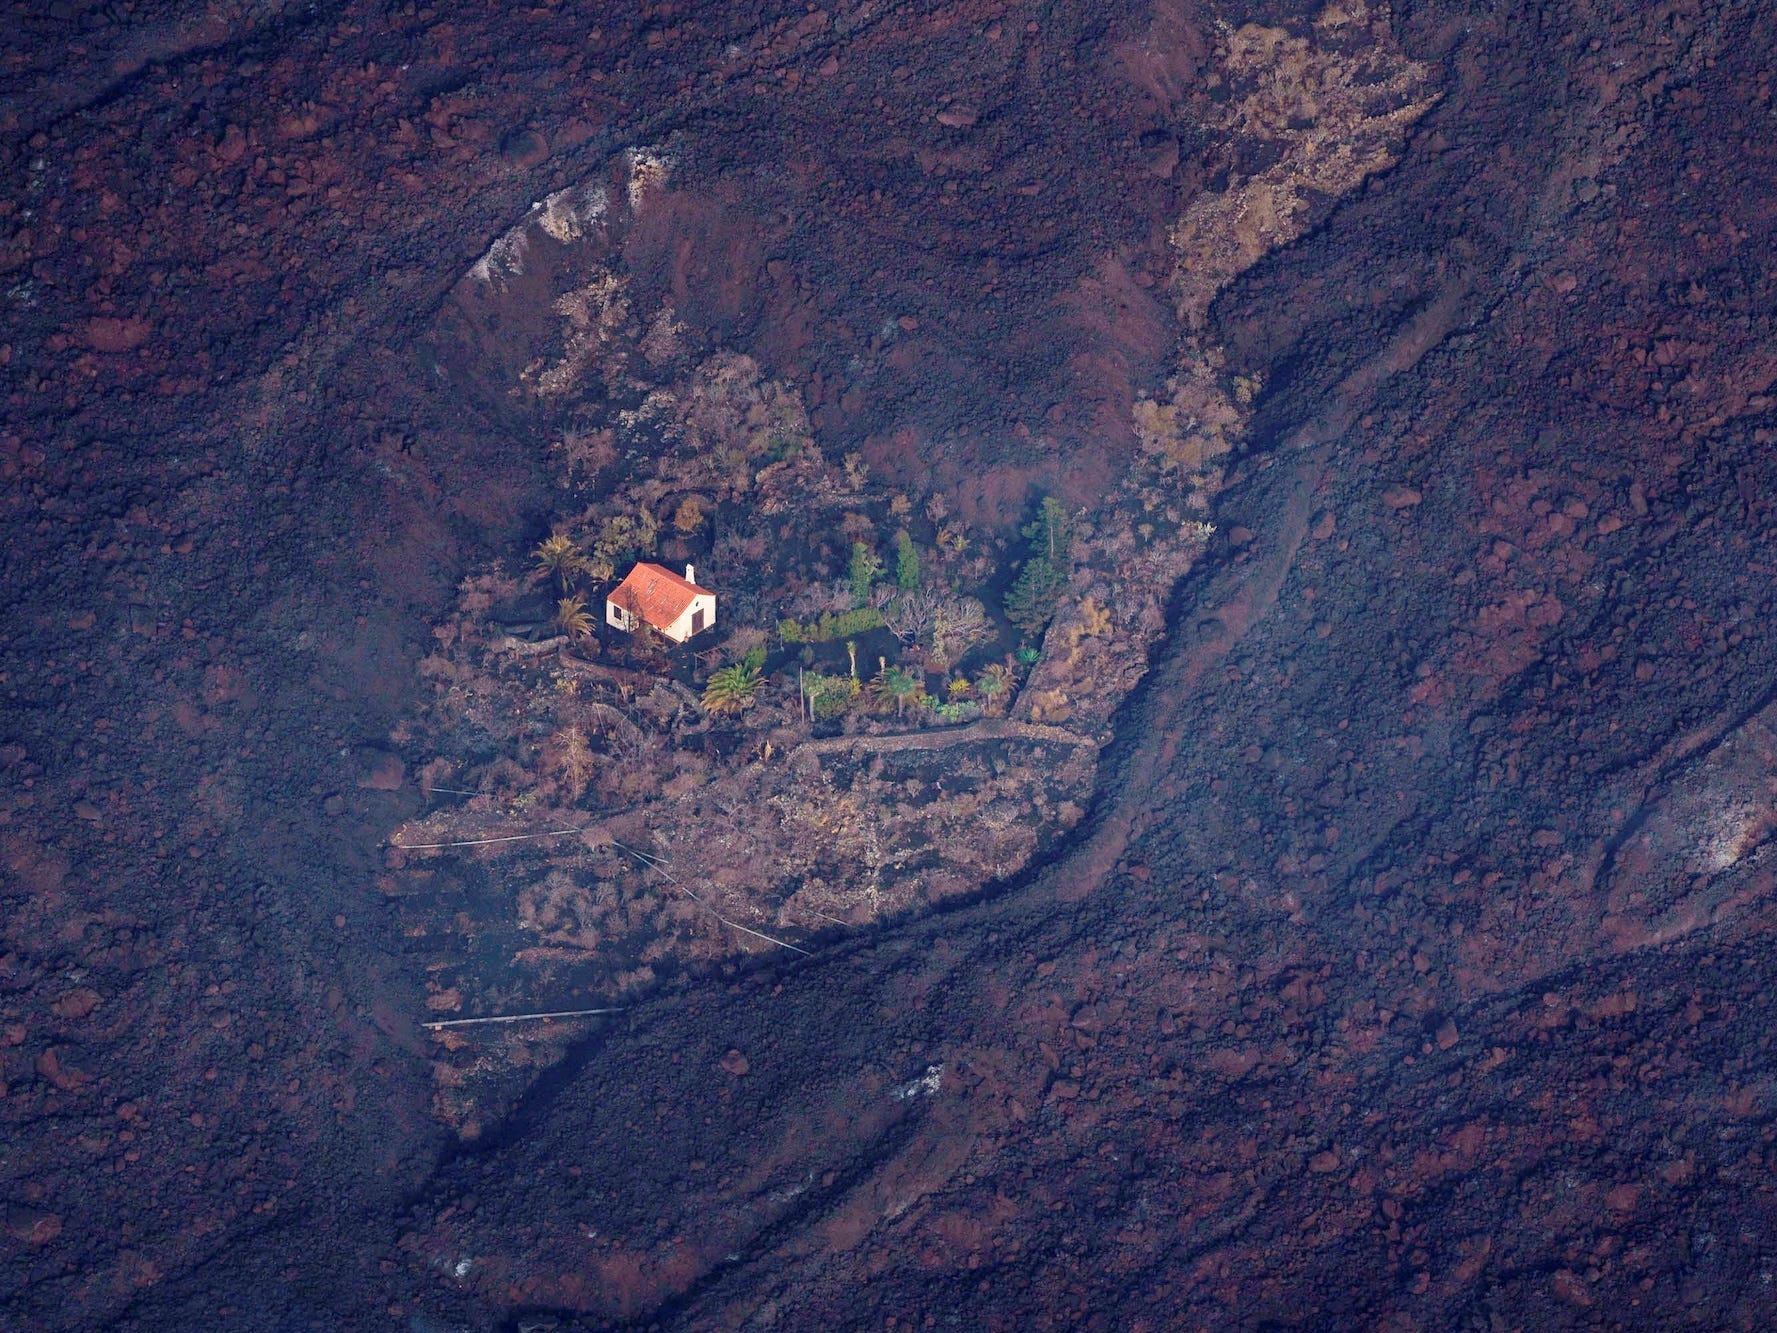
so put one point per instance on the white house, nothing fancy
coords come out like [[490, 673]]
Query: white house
[[674, 606]]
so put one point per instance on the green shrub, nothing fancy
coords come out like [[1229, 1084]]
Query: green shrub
[[845, 625], [864, 569], [906, 562], [830, 696]]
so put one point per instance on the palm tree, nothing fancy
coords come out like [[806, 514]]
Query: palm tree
[[993, 684], [899, 684], [558, 555], [572, 616], [731, 689]]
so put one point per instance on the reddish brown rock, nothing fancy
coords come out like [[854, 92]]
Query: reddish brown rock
[[32, 1227], [1571, 1289], [106, 334], [1623, 1198], [49, 1065], [76, 1003]]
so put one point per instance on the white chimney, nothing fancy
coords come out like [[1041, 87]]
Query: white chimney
[[691, 573]]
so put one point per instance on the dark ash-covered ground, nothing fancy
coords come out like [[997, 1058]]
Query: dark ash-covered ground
[[1413, 969]]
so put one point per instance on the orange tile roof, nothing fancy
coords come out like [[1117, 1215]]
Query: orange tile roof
[[657, 595]]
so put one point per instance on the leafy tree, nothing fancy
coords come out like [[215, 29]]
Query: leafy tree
[[688, 517], [732, 689], [864, 569], [906, 562], [623, 537]]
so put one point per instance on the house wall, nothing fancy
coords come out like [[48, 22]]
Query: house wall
[[680, 630]]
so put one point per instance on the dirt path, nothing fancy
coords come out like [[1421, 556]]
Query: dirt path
[[988, 729]]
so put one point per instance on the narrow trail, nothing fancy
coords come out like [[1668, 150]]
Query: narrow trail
[[988, 729]]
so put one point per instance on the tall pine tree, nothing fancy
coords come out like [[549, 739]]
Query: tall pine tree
[[906, 562], [862, 574], [1031, 602]]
